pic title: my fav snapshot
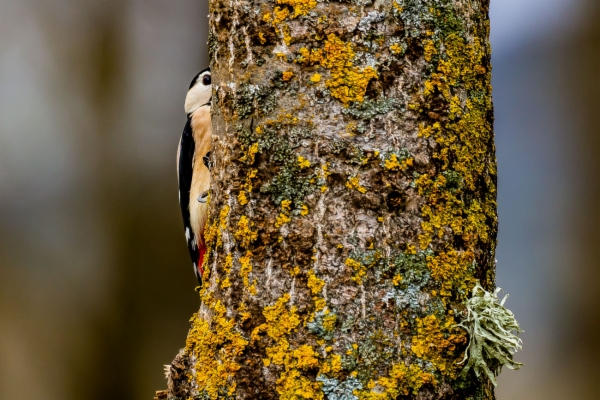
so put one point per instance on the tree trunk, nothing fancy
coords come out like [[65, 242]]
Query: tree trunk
[[352, 205]]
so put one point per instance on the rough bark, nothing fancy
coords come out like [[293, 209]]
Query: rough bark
[[353, 202]]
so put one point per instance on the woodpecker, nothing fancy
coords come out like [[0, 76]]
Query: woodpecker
[[193, 173]]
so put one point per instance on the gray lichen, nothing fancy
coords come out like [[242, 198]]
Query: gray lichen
[[336, 390], [492, 341]]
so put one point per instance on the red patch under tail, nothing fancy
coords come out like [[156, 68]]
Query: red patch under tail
[[202, 251]]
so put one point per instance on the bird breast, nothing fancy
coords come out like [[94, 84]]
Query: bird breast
[[202, 130]]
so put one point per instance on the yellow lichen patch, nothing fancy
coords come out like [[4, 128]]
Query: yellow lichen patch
[[360, 271], [451, 269], [332, 365], [314, 283], [397, 6], [316, 78], [304, 210], [261, 37], [402, 380], [397, 280], [303, 162], [310, 57], [301, 7], [225, 283], [246, 267], [281, 220], [329, 321], [284, 217], [445, 210], [293, 383], [279, 15], [353, 183], [287, 75], [430, 50], [244, 234], [242, 199], [467, 138], [436, 341], [305, 357], [392, 163], [396, 48], [243, 312], [213, 233], [347, 82], [279, 320], [214, 349], [320, 303], [247, 187], [252, 288], [228, 263], [248, 156]]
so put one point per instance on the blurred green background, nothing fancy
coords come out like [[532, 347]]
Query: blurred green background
[[96, 287]]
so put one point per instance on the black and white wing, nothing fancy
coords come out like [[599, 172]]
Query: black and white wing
[[184, 172]]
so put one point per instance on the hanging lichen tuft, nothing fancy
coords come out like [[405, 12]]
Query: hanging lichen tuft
[[492, 338]]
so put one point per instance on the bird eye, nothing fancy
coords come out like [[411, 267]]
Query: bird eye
[[206, 80]]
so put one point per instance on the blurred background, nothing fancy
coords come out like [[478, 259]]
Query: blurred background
[[95, 295]]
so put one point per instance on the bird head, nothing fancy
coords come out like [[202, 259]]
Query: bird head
[[200, 91]]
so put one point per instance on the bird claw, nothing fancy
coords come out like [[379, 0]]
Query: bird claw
[[203, 198]]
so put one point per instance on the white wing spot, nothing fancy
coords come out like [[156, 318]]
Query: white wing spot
[[187, 233]]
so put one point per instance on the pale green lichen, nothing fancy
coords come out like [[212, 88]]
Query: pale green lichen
[[492, 341], [336, 390]]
